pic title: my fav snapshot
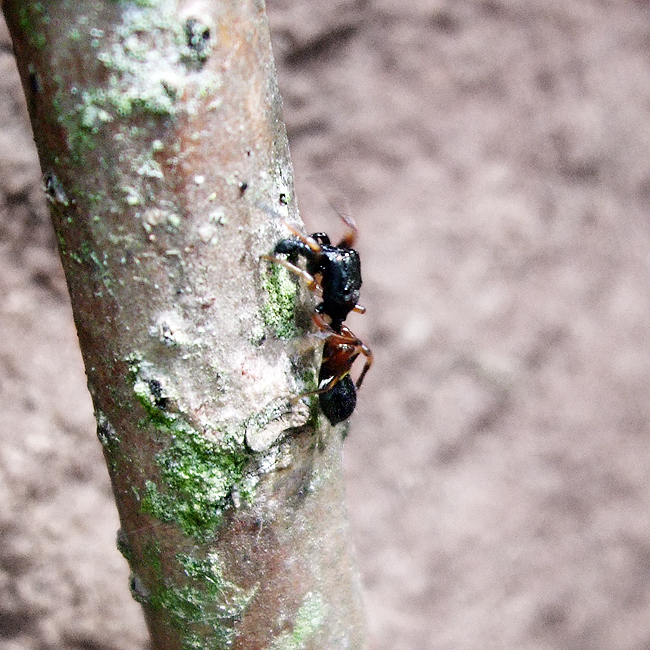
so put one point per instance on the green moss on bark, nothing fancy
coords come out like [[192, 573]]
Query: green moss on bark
[[199, 471], [309, 618], [279, 310], [206, 610]]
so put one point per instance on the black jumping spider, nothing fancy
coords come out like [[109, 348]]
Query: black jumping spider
[[333, 273]]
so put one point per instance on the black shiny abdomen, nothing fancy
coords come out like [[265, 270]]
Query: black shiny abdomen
[[338, 403]]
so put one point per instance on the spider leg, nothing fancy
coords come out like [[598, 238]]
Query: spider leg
[[310, 241], [350, 237], [322, 324], [322, 388], [328, 384], [307, 277], [365, 350], [359, 348], [333, 342]]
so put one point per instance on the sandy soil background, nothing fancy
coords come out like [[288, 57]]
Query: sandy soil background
[[496, 155]]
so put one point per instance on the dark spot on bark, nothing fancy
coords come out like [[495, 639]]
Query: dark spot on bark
[[198, 38]]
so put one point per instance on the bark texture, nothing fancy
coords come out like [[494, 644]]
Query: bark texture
[[165, 160]]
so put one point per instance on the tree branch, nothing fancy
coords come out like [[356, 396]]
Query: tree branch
[[165, 160]]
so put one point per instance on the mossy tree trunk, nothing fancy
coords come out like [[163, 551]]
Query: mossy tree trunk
[[166, 164]]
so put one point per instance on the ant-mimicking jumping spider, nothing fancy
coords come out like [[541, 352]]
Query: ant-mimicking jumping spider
[[334, 273]]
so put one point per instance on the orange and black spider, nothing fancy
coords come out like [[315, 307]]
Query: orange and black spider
[[334, 273], [336, 391]]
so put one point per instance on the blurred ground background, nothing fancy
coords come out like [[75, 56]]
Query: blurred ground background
[[496, 155]]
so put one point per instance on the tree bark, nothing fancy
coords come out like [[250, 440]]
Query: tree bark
[[165, 160]]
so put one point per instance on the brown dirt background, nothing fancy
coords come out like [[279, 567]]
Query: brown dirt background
[[496, 155]]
